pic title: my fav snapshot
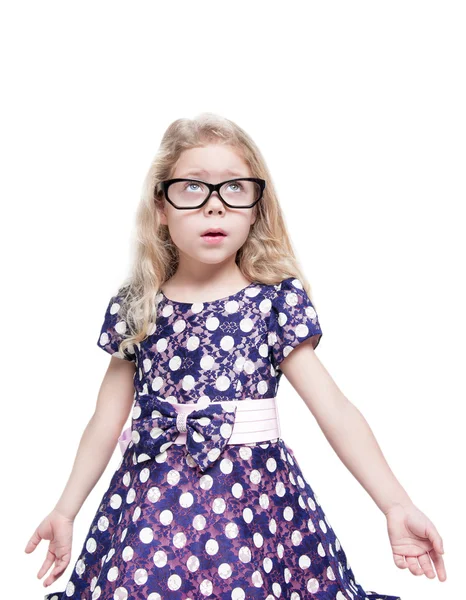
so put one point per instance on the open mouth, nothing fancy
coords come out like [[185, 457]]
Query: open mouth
[[214, 235]]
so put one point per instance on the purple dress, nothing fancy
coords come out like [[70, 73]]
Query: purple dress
[[248, 527]]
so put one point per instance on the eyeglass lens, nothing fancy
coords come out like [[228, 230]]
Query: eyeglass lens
[[239, 193]]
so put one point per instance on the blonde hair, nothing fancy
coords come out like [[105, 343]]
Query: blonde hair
[[267, 256]]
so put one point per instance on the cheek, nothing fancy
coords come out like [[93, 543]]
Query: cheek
[[182, 232]]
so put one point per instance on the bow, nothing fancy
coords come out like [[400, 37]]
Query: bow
[[208, 429]]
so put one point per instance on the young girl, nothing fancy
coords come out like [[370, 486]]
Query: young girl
[[209, 500]]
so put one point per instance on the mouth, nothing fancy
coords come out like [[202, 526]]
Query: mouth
[[214, 234]]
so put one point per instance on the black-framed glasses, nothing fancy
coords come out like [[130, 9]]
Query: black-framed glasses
[[185, 194]]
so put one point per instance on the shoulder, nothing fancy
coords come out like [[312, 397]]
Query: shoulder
[[290, 292]]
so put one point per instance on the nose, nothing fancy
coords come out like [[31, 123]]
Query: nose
[[214, 203]]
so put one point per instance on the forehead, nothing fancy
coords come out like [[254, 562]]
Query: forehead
[[213, 160]]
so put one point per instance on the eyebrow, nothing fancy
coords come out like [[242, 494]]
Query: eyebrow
[[204, 172]]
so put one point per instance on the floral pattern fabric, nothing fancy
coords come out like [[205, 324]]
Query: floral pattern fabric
[[246, 526]]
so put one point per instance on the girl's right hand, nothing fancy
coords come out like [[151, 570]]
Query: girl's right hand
[[59, 530]]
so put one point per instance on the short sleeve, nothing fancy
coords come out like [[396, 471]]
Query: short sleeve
[[113, 330], [293, 320]]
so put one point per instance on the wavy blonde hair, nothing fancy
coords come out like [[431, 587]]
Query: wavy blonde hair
[[267, 255]]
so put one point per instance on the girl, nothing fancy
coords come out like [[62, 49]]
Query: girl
[[209, 500]]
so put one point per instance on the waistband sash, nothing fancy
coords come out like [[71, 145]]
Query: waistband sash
[[205, 427]]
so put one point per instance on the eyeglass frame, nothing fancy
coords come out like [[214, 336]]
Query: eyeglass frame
[[213, 187]]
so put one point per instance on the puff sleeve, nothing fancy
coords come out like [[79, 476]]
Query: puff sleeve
[[293, 320], [113, 330]]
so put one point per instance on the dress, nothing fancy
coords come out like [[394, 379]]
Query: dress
[[250, 526]]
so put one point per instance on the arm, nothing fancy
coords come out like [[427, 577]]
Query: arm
[[415, 541], [100, 436], [344, 427]]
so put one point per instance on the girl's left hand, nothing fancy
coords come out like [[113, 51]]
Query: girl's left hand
[[415, 541]]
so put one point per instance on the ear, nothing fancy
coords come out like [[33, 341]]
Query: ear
[[161, 209]]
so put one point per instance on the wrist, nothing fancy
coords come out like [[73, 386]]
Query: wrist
[[396, 504]]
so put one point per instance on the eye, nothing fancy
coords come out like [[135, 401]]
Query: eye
[[233, 183], [192, 183]]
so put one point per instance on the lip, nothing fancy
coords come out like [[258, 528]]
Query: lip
[[213, 239], [214, 230]]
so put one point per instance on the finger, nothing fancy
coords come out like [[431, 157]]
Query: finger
[[439, 565], [435, 538], [57, 572], [48, 562], [413, 565], [33, 542], [426, 565], [400, 561]]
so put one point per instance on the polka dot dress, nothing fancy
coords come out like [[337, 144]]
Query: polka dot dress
[[250, 526]]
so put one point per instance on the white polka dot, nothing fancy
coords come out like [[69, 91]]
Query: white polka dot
[[188, 382], [179, 326], [161, 344], [212, 323], [146, 535], [157, 383], [222, 383], [249, 367], [211, 546], [207, 362], [174, 363], [206, 587], [304, 561], [69, 588], [232, 306], [140, 576], [288, 513], [193, 342], [231, 530], [255, 476], [174, 582], [219, 506], [199, 522], [179, 540], [167, 310], [237, 490], [276, 589], [296, 537], [227, 343], [330, 573], [206, 482], [248, 515], [264, 350], [193, 563], [267, 564], [224, 570], [160, 558], [246, 325], [262, 387], [256, 579], [112, 573], [244, 554], [226, 429], [166, 517]]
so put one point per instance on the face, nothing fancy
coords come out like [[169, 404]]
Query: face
[[212, 163]]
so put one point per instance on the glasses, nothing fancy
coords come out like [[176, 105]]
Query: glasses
[[185, 194]]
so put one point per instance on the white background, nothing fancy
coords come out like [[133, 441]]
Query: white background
[[359, 110]]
